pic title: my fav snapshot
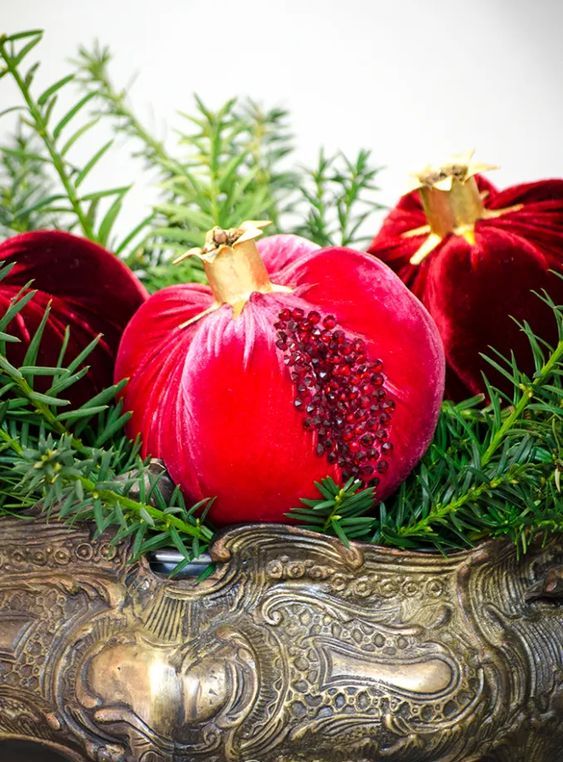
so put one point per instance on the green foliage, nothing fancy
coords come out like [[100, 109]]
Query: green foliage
[[339, 196], [226, 176], [57, 129], [24, 184], [341, 510], [228, 166], [492, 470]]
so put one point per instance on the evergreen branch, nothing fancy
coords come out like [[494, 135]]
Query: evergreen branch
[[81, 489], [339, 511], [529, 393], [226, 168], [40, 125], [57, 136], [92, 66], [24, 185], [338, 196]]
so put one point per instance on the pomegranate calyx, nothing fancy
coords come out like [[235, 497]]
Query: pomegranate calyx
[[451, 201], [458, 168], [234, 267], [218, 238]]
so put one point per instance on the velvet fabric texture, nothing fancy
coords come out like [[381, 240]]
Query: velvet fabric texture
[[88, 289], [226, 401], [473, 292]]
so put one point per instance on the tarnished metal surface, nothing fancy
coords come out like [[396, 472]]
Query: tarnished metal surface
[[296, 650]]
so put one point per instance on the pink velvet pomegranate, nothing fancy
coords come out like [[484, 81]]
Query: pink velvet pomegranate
[[89, 290], [294, 364]]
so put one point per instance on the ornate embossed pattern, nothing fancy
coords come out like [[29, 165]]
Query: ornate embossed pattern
[[296, 650]]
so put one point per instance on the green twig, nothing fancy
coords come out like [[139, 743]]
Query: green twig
[[48, 139]]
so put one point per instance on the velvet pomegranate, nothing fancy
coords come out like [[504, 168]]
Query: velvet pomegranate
[[89, 290], [474, 255], [296, 362]]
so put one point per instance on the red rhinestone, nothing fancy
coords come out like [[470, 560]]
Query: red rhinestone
[[359, 345], [313, 317]]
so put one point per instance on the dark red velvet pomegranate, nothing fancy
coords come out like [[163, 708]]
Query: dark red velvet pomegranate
[[88, 289], [297, 362], [474, 256]]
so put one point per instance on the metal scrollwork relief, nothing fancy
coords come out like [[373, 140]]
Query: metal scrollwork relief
[[297, 649]]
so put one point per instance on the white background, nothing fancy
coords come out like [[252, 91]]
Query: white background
[[410, 80]]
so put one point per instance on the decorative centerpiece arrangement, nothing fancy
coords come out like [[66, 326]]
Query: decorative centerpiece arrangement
[[385, 568]]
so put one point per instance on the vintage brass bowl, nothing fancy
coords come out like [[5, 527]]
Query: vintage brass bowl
[[297, 649]]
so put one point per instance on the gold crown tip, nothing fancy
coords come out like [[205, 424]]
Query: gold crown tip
[[196, 251], [251, 229], [441, 175]]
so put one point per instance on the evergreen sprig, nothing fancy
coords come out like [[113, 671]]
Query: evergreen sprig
[[57, 129], [338, 196], [227, 166], [24, 184], [341, 510]]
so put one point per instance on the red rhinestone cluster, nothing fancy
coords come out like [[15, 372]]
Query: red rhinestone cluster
[[340, 392]]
